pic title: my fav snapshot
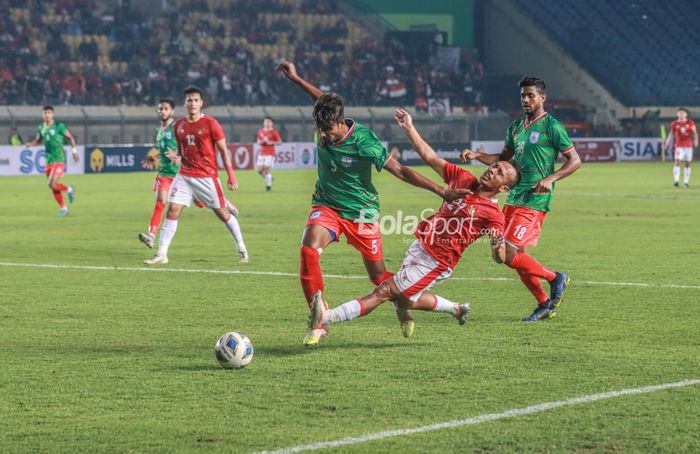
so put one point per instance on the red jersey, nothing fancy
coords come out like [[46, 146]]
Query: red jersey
[[683, 132], [456, 225], [195, 141], [270, 135]]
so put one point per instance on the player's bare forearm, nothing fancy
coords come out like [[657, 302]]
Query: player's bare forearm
[[425, 151], [412, 177], [498, 249], [289, 70], [221, 146], [34, 142], [572, 164]]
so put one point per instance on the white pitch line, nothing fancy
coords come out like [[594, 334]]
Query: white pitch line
[[483, 418], [332, 276]]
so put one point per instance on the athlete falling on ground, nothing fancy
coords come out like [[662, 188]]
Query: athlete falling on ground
[[441, 240], [345, 201]]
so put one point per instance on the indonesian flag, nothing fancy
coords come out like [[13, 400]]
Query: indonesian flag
[[395, 88]]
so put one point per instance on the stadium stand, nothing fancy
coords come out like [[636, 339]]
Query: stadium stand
[[86, 52], [643, 51]]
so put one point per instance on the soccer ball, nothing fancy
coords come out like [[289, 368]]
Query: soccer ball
[[234, 350]]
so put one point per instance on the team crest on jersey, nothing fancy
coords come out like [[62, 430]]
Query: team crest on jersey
[[534, 136], [168, 135], [52, 132], [200, 132], [346, 161]]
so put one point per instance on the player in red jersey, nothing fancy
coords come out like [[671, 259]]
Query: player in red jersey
[[441, 240], [685, 137], [345, 197], [268, 137], [197, 137]]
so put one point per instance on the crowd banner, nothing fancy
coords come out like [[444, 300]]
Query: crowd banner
[[116, 158], [19, 160]]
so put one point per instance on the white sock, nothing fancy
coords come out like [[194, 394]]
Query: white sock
[[268, 179], [343, 313], [235, 229], [676, 173], [686, 180], [167, 233], [443, 305]]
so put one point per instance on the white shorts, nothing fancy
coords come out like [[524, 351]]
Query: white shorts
[[684, 153], [266, 161], [207, 190], [419, 272]]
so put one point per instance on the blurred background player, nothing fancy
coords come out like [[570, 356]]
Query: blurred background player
[[15, 137], [345, 200], [533, 142], [438, 248], [684, 136], [51, 134], [167, 170], [197, 136], [165, 140], [268, 137]]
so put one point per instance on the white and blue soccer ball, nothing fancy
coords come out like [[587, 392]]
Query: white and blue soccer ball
[[234, 350]]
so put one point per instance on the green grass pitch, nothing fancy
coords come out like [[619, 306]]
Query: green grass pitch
[[95, 360]]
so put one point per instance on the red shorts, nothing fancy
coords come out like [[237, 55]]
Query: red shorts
[[58, 169], [363, 237], [523, 225], [163, 183]]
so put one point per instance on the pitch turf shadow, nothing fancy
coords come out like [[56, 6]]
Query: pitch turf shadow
[[293, 350]]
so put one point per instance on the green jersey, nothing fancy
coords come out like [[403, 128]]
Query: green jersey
[[165, 140], [345, 173], [52, 136], [536, 146]]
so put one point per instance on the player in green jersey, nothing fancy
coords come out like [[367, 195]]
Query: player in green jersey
[[345, 200], [51, 133], [533, 142], [167, 170], [165, 140]]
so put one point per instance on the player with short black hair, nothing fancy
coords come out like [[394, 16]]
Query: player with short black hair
[[51, 133], [345, 201], [533, 142], [441, 240], [197, 136], [684, 136], [268, 137]]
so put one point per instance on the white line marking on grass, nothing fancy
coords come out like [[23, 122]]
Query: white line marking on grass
[[483, 418], [333, 276]]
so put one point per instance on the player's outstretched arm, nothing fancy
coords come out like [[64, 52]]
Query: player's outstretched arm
[[37, 140], [289, 70], [414, 178], [425, 151], [467, 155]]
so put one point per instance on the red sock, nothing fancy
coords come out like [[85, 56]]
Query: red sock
[[61, 187], [310, 272], [524, 262], [156, 217], [534, 285], [59, 198]]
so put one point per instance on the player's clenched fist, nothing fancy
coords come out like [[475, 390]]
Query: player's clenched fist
[[287, 68], [468, 155]]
